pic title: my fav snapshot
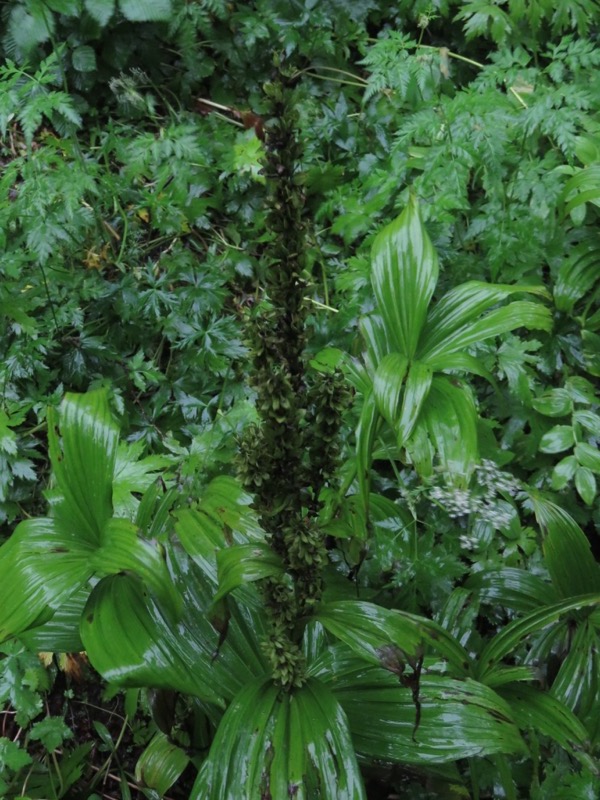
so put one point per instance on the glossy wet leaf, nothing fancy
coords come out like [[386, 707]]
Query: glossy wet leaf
[[149, 649], [387, 385], [457, 718], [245, 563], [576, 684], [588, 456], [515, 632], [83, 461], [567, 551], [512, 588], [404, 276], [41, 566], [533, 708], [161, 764], [557, 439], [585, 483], [418, 384], [272, 743], [555, 403]]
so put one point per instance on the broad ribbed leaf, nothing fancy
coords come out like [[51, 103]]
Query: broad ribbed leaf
[[578, 679], [519, 314], [464, 305], [512, 588], [585, 483], [404, 275], [450, 417], [418, 384], [588, 456], [245, 563], [148, 649], [387, 385], [277, 744], [386, 637], [583, 187], [61, 633], [567, 551], [535, 709], [578, 273], [376, 340], [564, 472], [458, 719], [460, 362], [365, 439], [518, 630], [84, 465], [123, 549], [41, 566], [161, 763]]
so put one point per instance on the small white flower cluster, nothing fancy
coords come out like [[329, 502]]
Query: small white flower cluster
[[456, 502], [487, 506], [493, 480]]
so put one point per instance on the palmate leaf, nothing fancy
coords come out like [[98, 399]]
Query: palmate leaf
[[404, 276], [272, 743], [457, 718]]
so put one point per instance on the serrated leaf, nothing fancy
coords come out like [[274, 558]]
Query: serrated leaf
[[404, 275], [51, 732], [557, 439], [84, 58], [281, 744], [12, 756], [100, 10], [146, 10]]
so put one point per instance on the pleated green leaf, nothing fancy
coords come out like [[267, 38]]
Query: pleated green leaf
[[578, 273], [245, 563], [83, 462], [533, 708], [463, 306], [387, 637], [518, 630], [387, 385], [61, 633], [557, 439], [161, 763], [365, 439], [458, 718], [518, 314], [450, 417], [123, 549], [404, 276], [578, 679], [148, 649], [418, 384], [279, 744], [567, 551], [41, 566], [512, 588]]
